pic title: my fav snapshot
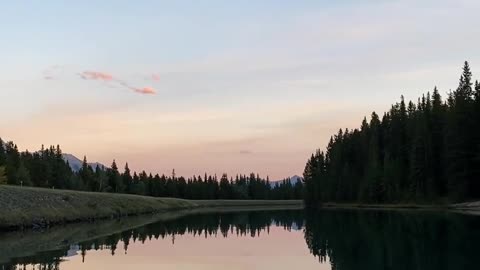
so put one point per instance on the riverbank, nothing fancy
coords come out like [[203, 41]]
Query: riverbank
[[472, 208], [382, 206], [24, 207]]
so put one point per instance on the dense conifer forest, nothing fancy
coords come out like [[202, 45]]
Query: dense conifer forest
[[426, 151], [47, 168]]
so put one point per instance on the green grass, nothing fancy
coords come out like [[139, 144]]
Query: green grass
[[28, 243], [27, 207]]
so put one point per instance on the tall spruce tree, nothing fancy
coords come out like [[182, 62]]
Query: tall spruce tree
[[127, 179], [459, 137], [3, 154], [114, 180]]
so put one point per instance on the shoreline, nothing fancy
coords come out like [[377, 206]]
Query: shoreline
[[37, 208], [470, 208], [26, 207]]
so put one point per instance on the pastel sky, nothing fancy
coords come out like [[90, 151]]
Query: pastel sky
[[219, 86]]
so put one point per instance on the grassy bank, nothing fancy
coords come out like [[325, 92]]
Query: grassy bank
[[36, 207], [27, 243]]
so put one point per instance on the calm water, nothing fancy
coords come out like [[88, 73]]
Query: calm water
[[334, 239]]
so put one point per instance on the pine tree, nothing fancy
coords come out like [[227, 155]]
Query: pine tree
[[225, 189], [101, 179], [3, 177], [3, 154], [86, 176], [114, 180], [437, 123], [3, 160], [475, 180], [460, 138], [127, 179], [22, 176], [375, 189]]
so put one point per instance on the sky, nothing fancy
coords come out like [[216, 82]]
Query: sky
[[219, 86]]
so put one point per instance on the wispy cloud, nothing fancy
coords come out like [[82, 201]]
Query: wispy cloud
[[106, 77], [145, 90], [155, 77], [95, 75]]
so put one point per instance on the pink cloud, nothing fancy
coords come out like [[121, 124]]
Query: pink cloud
[[102, 76], [95, 75], [145, 90], [155, 77]]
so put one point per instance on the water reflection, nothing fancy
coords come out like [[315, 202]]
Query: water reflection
[[338, 239], [393, 240], [241, 224]]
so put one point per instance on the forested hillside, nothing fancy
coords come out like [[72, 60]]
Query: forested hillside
[[423, 151], [47, 168]]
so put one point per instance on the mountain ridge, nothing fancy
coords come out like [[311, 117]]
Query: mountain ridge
[[76, 164], [293, 179]]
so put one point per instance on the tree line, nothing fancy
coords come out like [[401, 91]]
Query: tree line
[[427, 151], [48, 169]]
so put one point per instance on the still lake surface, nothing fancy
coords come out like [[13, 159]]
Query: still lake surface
[[289, 239]]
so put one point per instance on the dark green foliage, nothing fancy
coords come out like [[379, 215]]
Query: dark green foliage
[[3, 160], [114, 179], [3, 177], [3, 154], [22, 177], [425, 152], [127, 179], [46, 168], [87, 176]]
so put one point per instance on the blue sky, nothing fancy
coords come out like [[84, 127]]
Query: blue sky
[[239, 86]]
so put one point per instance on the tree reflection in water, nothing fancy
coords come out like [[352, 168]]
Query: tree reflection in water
[[346, 239], [393, 240], [247, 224]]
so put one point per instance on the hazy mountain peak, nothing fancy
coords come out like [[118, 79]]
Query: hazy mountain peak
[[293, 179], [76, 163]]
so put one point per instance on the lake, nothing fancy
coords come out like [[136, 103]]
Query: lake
[[288, 239]]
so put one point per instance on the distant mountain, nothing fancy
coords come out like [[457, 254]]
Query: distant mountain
[[293, 179], [73, 251], [76, 163]]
